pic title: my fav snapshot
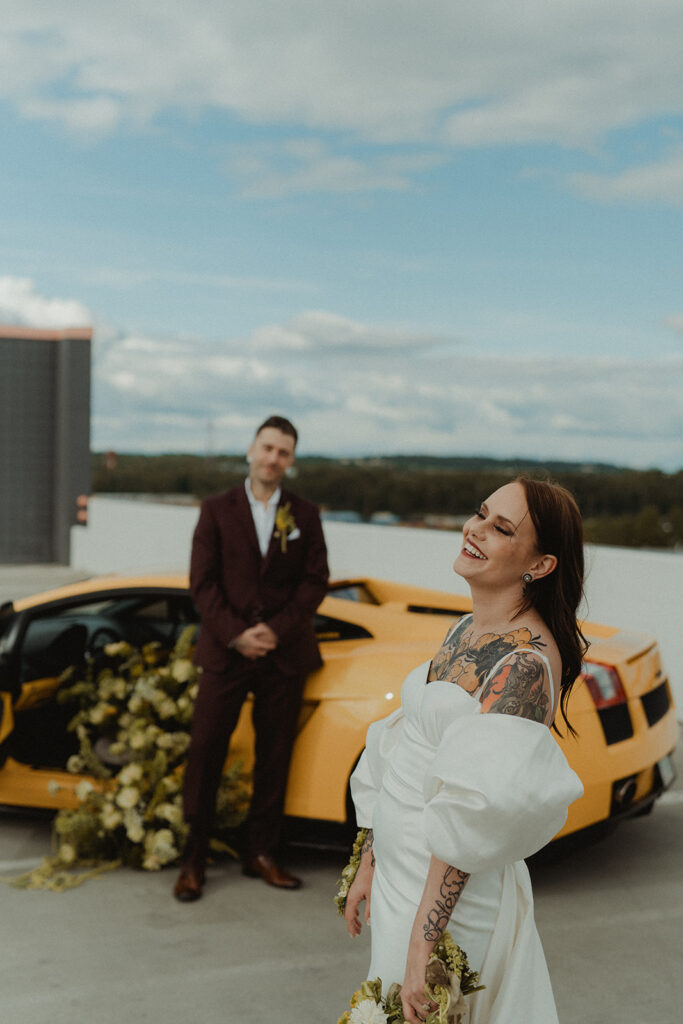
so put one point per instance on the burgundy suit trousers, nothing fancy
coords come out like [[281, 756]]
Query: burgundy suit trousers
[[276, 704]]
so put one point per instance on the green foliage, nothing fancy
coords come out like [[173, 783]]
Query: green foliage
[[634, 508], [132, 717]]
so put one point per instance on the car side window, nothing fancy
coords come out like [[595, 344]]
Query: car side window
[[64, 635]]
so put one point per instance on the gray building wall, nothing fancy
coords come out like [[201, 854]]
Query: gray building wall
[[44, 440]]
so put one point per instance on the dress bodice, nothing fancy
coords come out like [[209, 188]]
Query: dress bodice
[[430, 709]]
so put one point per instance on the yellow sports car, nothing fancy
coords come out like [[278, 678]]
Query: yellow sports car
[[371, 633]]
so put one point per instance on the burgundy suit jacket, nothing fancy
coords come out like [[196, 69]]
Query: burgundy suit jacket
[[234, 587]]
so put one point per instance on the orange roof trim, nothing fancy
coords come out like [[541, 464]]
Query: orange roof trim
[[34, 334]]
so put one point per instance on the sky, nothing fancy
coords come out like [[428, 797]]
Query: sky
[[412, 226]]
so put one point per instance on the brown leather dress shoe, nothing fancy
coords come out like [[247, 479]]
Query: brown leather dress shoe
[[266, 868], [189, 884]]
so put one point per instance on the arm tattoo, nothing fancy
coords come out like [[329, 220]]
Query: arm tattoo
[[438, 917], [367, 846], [519, 688], [467, 663]]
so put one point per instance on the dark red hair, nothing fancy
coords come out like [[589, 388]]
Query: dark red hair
[[556, 597]]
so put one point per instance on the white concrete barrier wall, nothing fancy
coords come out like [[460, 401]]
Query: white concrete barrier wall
[[640, 590]]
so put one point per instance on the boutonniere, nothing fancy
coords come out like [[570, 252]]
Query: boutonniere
[[285, 524]]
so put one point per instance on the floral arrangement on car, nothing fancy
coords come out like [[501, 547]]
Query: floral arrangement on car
[[448, 979], [132, 722]]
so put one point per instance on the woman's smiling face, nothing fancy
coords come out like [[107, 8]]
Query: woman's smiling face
[[499, 541]]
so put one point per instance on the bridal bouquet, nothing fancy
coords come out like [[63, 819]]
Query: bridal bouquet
[[448, 976], [448, 979]]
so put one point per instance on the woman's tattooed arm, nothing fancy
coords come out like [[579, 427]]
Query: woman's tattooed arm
[[450, 888], [367, 846], [519, 687]]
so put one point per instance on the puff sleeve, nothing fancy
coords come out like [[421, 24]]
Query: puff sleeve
[[497, 791], [366, 779]]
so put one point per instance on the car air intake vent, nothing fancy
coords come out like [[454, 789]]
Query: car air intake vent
[[616, 723], [425, 609], [656, 703]]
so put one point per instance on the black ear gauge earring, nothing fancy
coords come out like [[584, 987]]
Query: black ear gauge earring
[[527, 578]]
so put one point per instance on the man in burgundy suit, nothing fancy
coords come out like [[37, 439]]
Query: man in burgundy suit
[[258, 572]]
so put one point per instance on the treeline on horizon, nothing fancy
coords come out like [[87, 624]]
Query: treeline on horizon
[[625, 507]]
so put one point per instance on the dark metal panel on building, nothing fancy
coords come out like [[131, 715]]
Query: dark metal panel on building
[[44, 441]]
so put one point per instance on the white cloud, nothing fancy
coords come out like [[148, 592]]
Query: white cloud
[[270, 170], [322, 331], [660, 181], [21, 304], [355, 388], [386, 72], [361, 388]]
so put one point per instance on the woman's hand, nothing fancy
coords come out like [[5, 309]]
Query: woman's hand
[[360, 890], [416, 1004]]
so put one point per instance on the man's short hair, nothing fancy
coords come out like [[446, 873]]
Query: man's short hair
[[281, 424]]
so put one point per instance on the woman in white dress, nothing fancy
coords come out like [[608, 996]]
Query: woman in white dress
[[465, 780]]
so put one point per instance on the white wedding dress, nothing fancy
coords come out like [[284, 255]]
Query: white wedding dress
[[480, 792]]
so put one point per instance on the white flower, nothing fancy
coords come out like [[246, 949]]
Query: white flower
[[119, 688], [167, 708], [120, 647], [137, 740], [161, 844], [135, 830], [127, 797], [75, 764], [110, 817], [170, 813], [131, 773], [67, 854], [99, 713], [367, 1011], [145, 689], [135, 704], [182, 670], [171, 784], [53, 788], [83, 788]]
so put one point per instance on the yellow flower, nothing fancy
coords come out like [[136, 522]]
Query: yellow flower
[[285, 524]]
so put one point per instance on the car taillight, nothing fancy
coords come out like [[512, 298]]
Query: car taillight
[[604, 685]]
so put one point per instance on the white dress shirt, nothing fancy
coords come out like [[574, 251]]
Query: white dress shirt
[[263, 515]]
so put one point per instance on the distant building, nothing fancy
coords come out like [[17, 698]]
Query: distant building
[[44, 441]]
